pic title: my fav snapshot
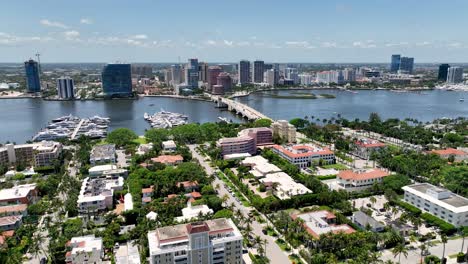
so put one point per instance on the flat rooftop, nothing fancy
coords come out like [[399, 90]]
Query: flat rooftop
[[177, 232], [454, 200]]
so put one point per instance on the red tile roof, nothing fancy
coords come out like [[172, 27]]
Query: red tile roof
[[195, 195], [188, 184], [369, 143], [13, 208], [366, 175], [148, 190], [449, 151], [305, 151], [168, 159]]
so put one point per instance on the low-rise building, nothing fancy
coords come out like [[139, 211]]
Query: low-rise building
[[127, 253], [169, 146], [96, 195], [322, 222], [170, 160], [84, 249], [143, 149], [211, 241], [439, 202], [15, 209], [283, 186], [146, 194], [357, 180], [107, 171], [237, 145], [193, 212], [262, 135], [21, 194], [11, 222], [364, 147], [304, 155], [284, 130], [189, 186], [102, 154], [457, 154], [367, 222], [259, 166]]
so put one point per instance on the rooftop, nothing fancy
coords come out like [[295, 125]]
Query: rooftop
[[100, 151], [364, 220], [453, 201], [10, 220], [13, 208], [297, 151], [102, 168], [16, 192], [287, 187], [449, 151], [168, 159], [362, 175], [369, 143], [85, 244], [240, 139], [317, 223]]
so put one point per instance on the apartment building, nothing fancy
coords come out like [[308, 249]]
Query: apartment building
[[304, 155], [39, 154], [96, 195], [237, 145], [107, 171], [102, 154], [284, 130], [439, 202], [21, 194], [85, 250], [213, 241], [357, 180], [46, 152], [262, 135]]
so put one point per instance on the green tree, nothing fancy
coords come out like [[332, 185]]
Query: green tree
[[121, 137], [399, 250]]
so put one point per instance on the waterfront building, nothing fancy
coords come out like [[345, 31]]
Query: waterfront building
[[291, 74], [65, 88], [322, 222], [20, 194], [41, 154], [237, 145], [102, 154], [213, 72], [395, 63], [306, 79], [406, 65], [364, 147], [117, 80], [170, 160], [455, 75], [244, 72], [261, 135], [168, 77], [142, 70], [272, 77], [357, 180], [329, 77], [443, 72], [211, 241], [191, 73], [349, 75], [439, 202], [284, 130], [457, 154], [258, 69], [85, 249], [217, 89], [33, 82], [303, 156], [176, 73], [96, 195], [225, 80], [203, 71]]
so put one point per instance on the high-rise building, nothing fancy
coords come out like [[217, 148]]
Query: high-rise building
[[258, 69], [225, 80], [191, 73], [443, 71], [291, 74], [211, 241], [117, 80], [349, 74], [213, 72], [272, 77], [306, 79], [395, 64], [244, 72], [406, 65], [168, 77], [33, 81], [142, 70], [65, 88], [203, 71], [176, 72], [455, 75]]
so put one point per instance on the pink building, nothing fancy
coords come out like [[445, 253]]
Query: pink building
[[303, 155], [225, 80], [262, 135], [237, 145], [213, 72]]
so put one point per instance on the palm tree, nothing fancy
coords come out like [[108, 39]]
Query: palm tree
[[400, 249], [444, 241], [373, 200]]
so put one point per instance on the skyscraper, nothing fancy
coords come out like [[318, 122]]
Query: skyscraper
[[292, 74], [406, 65], [176, 73], [191, 73], [455, 75], [225, 80], [272, 77], [117, 80], [142, 70], [395, 64], [33, 81], [443, 71], [65, 88], [244, 72], [258, 70], [349, 74], [203, 71], [213, 72]]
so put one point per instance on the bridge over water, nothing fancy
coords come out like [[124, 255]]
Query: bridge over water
[[239, 108]]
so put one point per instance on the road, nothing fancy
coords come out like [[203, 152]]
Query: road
[[452, 247], [273, 251]]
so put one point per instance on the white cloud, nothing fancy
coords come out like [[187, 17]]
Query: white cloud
[[455, 45], [210, 42], [228, 43], [86, 21], [364, 44], [48, 23], [243, 43], [402, 43], [139, 36], [424, 43], [327, 44], [72, 34], [7, 39]]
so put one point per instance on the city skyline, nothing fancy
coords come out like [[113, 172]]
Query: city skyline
[[301, 31]]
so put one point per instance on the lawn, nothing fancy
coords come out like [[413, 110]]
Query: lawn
[[282, 244], [140, 140], [336, 166]]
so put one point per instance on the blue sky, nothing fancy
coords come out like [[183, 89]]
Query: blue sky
[[229, 30]]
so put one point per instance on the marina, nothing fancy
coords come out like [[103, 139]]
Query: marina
[[72, 127], [165, 119]]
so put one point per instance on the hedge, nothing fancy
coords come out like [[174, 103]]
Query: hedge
[[445, 227], [408, 207]]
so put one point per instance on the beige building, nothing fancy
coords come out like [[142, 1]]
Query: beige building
[[38, 154], [284, 130], [210, 242]]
